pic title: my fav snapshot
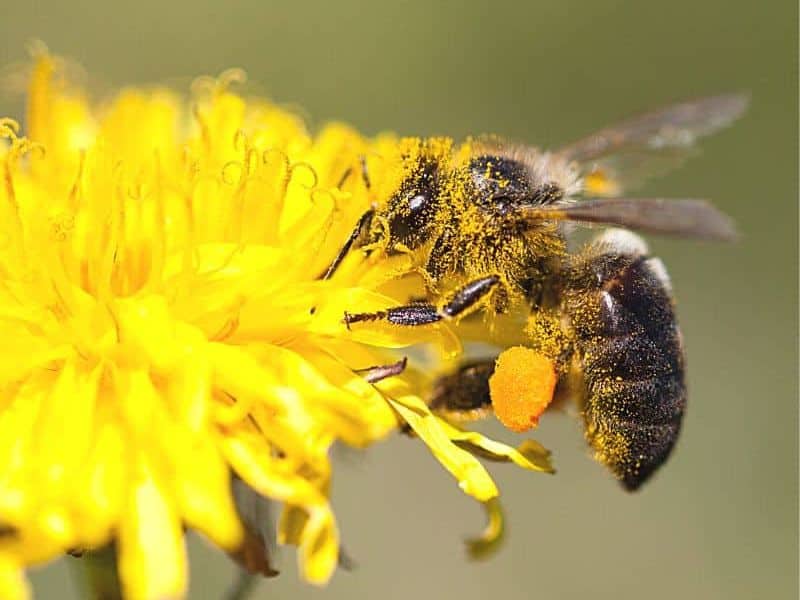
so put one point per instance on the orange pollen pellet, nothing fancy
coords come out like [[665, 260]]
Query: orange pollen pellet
[[521, 387]]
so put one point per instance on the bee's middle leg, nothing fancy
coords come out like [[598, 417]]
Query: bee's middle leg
[[423, 313]]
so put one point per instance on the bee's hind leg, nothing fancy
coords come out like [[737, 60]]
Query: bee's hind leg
[[423, 313], [464, 393]]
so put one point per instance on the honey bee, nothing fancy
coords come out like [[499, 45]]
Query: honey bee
[[488, 226]]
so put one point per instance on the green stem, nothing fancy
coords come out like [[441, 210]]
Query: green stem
[[243, 586]]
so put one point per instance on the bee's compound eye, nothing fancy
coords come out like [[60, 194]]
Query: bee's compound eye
[[417, 203], [413, 208], [412, 218]]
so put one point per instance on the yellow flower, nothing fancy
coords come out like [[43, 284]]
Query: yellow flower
[[163, 325]]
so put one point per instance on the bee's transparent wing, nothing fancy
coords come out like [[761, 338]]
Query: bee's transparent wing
[[688, 218], [622, 156]]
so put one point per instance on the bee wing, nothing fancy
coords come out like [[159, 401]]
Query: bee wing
[[688, 218], [624, 155]]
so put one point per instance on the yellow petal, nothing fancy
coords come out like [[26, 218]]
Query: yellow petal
[[147, 332], [21, 352], [471, 476], [188, 389], [203, 490], [219, 121], [31, 543], [491, 539], [375, 416], [64, 429], [275, 315], [530, 455], [17, 435], [105, 484], [248, 382], [250, 457], [307, 520], [13, 584], [152, 558], [314, 532], [319, 545], [291, 523], [153, 138], [59, 117], [335, 409]]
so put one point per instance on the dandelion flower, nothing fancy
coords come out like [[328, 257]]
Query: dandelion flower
[[164, 326]]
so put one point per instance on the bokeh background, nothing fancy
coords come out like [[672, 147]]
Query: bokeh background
[[721, 520]]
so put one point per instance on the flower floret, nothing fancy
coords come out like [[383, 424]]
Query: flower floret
[[164, 327]]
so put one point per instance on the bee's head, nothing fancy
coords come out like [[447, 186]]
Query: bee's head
[[413, 208]]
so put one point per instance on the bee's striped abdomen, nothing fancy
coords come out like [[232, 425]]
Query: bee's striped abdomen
[[629, 347]]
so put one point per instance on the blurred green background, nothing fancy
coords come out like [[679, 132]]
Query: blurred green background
[[721, 520]]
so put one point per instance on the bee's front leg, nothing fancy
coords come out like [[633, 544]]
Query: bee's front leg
[[358, 233]]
